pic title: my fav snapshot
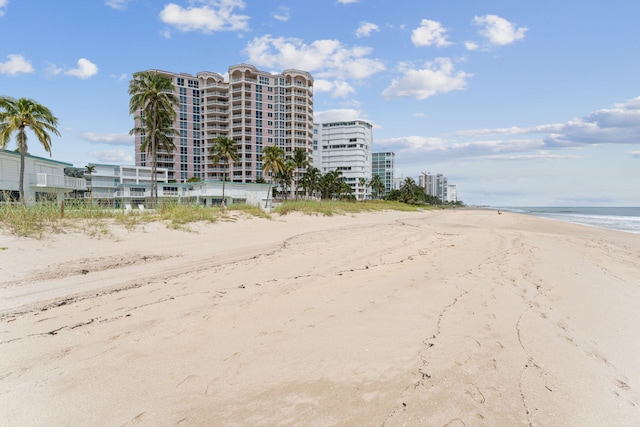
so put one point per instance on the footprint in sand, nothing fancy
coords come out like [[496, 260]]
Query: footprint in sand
[[474, 393]]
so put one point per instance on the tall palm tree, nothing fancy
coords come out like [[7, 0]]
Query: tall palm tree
[[273, 164], [301, 161], [89, 170], [164, 134], [16, 115], [153, 98], [224, 150]]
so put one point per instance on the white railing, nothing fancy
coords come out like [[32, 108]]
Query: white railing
[[57, 181]]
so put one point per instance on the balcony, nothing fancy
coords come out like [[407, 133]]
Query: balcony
[[56, 181]]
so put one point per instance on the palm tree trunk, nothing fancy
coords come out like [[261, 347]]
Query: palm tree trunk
[[23, 148]]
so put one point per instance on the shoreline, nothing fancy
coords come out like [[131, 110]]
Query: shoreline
[[394, 318]]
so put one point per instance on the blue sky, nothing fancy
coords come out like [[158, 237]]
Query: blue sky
[[518, 103]]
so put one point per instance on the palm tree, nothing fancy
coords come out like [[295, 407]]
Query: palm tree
[[377, 186], [301, 161], [89, 170], [272, 163], [164, 134], [310, 180], [153, 98], [224, 149], [16, 115]]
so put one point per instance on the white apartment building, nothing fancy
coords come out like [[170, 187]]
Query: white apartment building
[[255, 108], [346, 147], [452, 193], [44, 179]]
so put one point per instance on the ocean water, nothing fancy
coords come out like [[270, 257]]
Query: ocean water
[[616, 218]]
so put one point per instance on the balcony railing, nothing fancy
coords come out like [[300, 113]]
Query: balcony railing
[[56, 181]]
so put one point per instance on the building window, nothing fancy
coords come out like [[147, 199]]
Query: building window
[[180, 81]]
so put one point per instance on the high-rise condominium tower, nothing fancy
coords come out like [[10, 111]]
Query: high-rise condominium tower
[[256, 109], [346, 147]]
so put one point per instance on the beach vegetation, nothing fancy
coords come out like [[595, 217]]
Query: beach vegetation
[[341, 207], [18, 115]]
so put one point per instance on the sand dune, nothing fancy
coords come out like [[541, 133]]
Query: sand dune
[[459, 317]]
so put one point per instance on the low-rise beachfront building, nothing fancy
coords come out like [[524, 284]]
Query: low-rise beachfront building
[[44, 179], [383, 164], [346, 147], [129, 187]]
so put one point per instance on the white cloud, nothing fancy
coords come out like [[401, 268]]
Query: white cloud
[[16, 64], [634, 154], [84, 70], [117, 4], [348, 1], [433, 78], [3, 4], [282, 14], [325, 58], [514, 130], [120, 78], [338, 89], [471, 45], [108, 138], [365, 29], [498, 31], [112, 156], [430, 33], [338, 115], [214, 15], [52, 70]]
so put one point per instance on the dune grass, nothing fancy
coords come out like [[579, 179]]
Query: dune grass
[[40, 219], [335, 207]]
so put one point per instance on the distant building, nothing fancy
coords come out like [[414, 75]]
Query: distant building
[[434, 185], [452, 193], [255, 108], [346, 147], [382, 164], [44, 179]]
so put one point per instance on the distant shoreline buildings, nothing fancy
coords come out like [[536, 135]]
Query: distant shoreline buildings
[[256, 109]]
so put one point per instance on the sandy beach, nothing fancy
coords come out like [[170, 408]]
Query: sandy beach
[[435, 318]]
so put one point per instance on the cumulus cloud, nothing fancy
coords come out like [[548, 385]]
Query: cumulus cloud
[[498, 31], [108, 138], [433, 78], [471, 45], [282, 14], [117, 4], [212, 16], [430, 33], [325, 58], [3, 4], [617, 125], [338, 89], [112, 156], [365, 29], [338, 115], [84, 70], [15, 65]]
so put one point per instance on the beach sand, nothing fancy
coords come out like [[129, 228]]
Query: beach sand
[[436, 318]]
